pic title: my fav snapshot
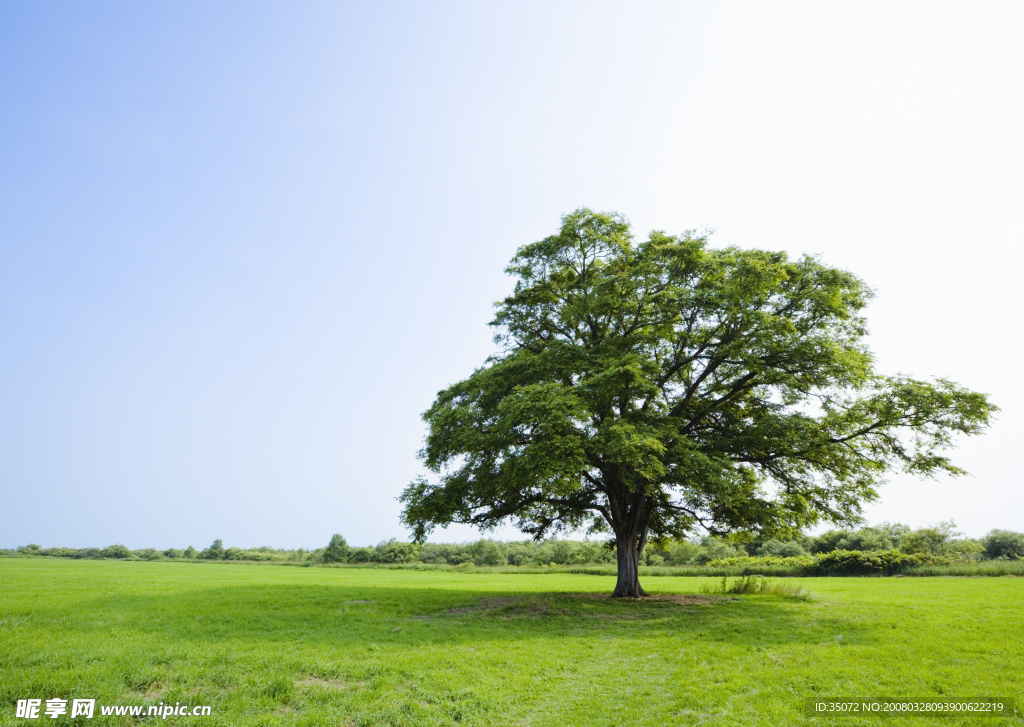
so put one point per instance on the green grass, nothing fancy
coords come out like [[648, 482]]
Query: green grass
[[284, 646]]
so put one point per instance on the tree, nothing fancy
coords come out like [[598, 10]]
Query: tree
[[650, 389], [215, 551], [337, 550], [116, 551], [1004, 544], [935, 539]]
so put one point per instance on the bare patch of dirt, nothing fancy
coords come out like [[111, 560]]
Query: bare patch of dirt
[[312, 681], [154, 690], [680, 598], [486, 604], [499, 602]]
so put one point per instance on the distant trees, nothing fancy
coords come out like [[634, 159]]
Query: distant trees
[[1003, 544], [882, 537], [337, 551], [781, 548], [215, 551], [941, 539], [116, 551]]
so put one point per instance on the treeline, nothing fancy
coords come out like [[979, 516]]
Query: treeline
[[940, 541], [216, 551]]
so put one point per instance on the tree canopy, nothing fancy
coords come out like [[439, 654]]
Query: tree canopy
[[654, 388]]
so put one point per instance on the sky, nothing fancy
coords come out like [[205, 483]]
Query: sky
[[244, 244]]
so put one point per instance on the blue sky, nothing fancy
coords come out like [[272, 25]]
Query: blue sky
[[242, 245]]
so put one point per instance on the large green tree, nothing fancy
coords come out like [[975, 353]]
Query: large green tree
[[651, 389]]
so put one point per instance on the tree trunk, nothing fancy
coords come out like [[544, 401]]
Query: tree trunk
[[628, 583]]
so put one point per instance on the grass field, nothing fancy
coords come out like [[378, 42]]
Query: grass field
[[266, 645]]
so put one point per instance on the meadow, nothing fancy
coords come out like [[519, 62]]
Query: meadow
[[272, 645]]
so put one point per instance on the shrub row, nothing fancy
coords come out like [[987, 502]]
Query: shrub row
[[842, 562]]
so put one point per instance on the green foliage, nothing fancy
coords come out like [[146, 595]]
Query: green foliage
[[116, 551], [797, 561], [58, 552], [362, 555], [711, 551], [840, 562], [215, 551], [520, 553], [781, 548], [882, 537], [941, 539], [715, 549], [871, 562], [337, 550], [679, 552], [650, 388], [1004, 544], [393, 551], [936, 539]]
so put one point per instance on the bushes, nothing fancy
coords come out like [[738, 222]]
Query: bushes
[[59, 552], [867, 562], [1003, 544], [797, 561], [116, 551], [840, 562]]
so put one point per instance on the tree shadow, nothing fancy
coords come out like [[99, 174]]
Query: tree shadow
[[345, 616]]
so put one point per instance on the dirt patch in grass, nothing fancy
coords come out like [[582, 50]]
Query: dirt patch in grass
[[679, 598], [513, 606], [485, 605], [154, 690], [312, 681]]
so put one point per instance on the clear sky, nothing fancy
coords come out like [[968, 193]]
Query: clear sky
[[243, 245]]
